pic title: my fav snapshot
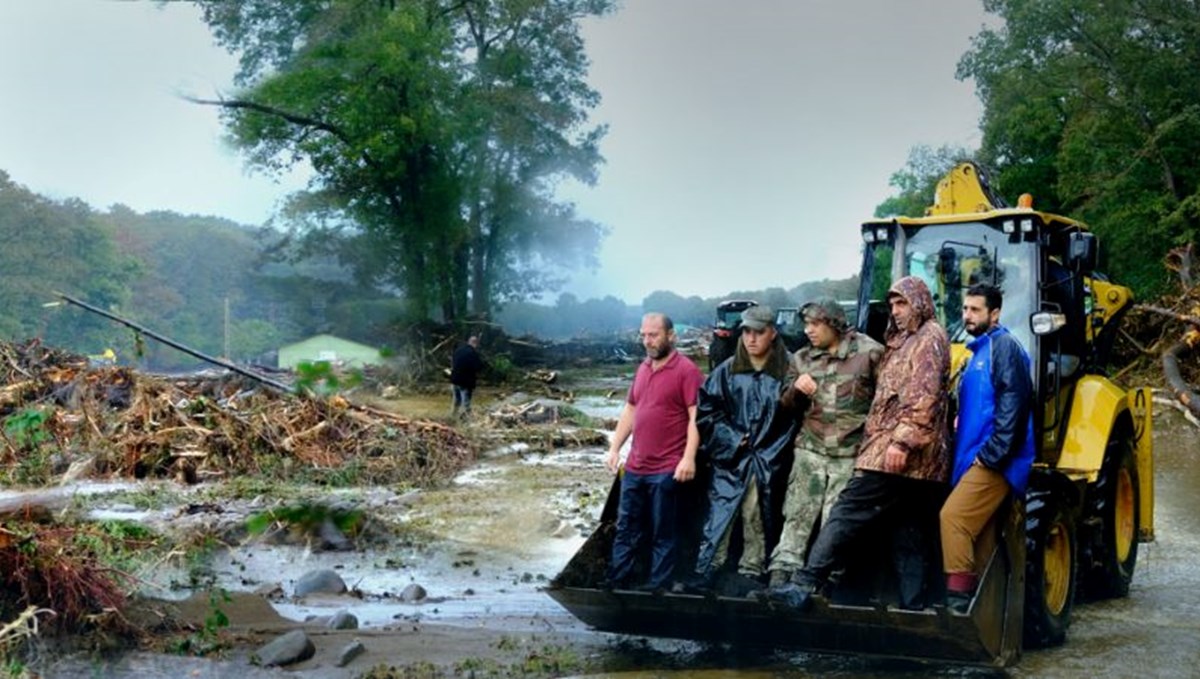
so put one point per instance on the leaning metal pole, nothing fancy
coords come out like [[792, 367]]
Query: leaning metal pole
[[176, 345]]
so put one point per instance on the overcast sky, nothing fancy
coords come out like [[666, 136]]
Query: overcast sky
[[747, 138]]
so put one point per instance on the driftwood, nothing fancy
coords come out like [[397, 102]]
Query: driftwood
[[33, 504]]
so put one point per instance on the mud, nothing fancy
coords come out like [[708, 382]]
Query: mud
[[484, 546]]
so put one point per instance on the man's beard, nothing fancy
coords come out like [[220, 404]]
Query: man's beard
[[978, 329], [660, 352]]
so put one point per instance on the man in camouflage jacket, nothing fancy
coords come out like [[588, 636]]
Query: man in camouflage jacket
[[830, 383], [902, 462]]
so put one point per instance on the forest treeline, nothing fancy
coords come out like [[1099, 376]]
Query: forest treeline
[[437, 132], [232, 290], [1090, 106]]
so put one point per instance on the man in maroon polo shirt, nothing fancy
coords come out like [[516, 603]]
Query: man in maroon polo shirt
[[660, 412]]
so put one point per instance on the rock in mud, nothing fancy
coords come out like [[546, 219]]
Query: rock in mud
[[350, 652], [293, 647], [413, 593], [342, 620], [320, 582], [332, 537]]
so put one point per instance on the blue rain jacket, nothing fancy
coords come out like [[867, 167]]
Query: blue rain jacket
[[995, 419]]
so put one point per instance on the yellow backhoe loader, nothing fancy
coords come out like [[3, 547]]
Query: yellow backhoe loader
[[1075, 534]]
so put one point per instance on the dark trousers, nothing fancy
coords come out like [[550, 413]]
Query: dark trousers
[[906, 508], [647, 502], [462, 400]]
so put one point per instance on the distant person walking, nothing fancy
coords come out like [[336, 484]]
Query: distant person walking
[[465, 367], [660, 413]]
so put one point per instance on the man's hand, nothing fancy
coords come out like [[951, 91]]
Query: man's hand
[[805, 384], [612, 460], [895, 459], [686, 469]]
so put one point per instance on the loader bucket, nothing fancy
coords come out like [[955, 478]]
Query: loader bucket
[[990, 635]]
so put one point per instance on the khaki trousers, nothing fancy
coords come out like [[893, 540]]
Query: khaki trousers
[[968, 532], [754, 542]]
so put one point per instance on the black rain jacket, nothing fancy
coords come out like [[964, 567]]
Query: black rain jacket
[[739, 403]]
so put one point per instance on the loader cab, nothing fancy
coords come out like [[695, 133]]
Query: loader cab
[[1044, 266], [950, 258]]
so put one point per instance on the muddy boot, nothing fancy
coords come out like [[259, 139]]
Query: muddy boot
[[777, 579], [738, 585], [797, 594], [960, 590], [959, 603]]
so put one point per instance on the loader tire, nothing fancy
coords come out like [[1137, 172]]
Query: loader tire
[[1112, 514], [1051, 554]]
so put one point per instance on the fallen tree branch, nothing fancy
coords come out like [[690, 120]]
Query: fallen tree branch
[[1181, 390], [1187, 414], [1191, 320]]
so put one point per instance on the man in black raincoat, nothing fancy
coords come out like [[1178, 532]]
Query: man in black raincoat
[[746, 436]]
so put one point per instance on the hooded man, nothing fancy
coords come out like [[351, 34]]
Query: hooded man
[[902, 461], [747, 437]]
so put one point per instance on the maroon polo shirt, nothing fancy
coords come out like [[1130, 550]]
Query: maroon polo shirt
[[660, 425]]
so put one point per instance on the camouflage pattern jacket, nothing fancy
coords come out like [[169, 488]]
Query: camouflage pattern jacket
[[911, 395], [834, 416]]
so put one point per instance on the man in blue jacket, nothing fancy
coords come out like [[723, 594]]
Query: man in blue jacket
[[993, 442]]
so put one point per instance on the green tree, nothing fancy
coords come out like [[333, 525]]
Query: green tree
[[917, 181], [58, 246], [1089, 105], [436, 131]]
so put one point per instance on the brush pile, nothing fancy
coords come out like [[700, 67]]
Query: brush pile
[[62, 416]]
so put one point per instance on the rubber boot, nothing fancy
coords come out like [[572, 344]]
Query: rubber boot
[[960, 591]]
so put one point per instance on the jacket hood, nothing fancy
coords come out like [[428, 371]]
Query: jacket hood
[[919, 298]]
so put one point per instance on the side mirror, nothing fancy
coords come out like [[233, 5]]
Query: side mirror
[[1082, 252]]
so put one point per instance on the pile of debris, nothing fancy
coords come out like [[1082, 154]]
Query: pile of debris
[[113, 421]]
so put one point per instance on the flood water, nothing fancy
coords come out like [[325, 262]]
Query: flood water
[[1154, 632], [507, 526]]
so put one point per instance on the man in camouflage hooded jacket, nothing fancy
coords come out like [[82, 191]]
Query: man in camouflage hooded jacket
[[902, 462]]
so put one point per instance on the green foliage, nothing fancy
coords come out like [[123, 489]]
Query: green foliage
[[501, 368], [917, 181], [57, 246], [320, 378], [1086, 108], [306, 518], [437, 132], [27, 428], [209, 638], [121, 545]]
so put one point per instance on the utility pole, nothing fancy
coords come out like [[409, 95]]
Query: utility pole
[[226, 327]]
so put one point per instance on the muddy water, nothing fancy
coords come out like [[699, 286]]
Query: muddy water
[[491, 540], [1155, 632]]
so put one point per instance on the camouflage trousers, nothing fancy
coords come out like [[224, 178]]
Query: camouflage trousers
[[754, 540], [813, 486]]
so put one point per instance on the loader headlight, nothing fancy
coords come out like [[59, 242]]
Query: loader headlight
[[1045, 322], [868, 236], [1008, 226]]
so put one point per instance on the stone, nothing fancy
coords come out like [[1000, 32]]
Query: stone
[[320, 582], [342, 620], [412, 593], [350, 652], [293, 647]]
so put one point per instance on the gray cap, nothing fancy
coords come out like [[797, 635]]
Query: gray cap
[[825, 309], [758, 317]]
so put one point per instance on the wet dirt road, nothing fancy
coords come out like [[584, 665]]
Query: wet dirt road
[[1155, 632], [511, 523]]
